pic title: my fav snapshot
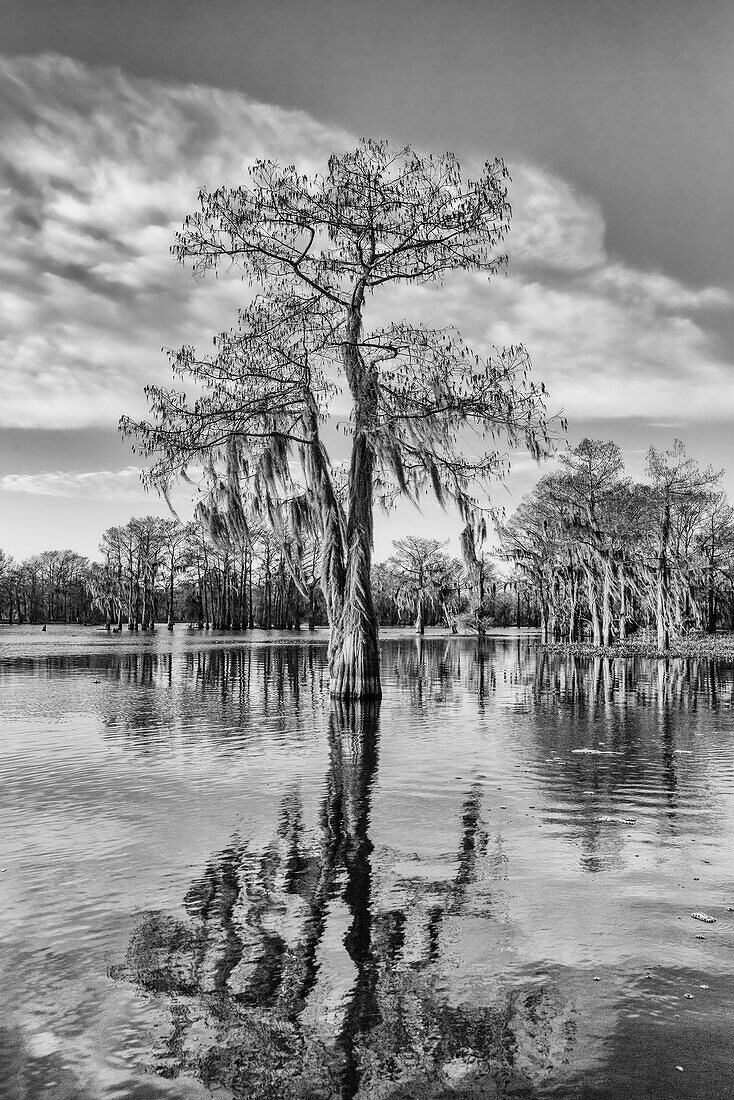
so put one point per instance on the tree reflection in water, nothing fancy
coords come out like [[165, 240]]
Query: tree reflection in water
[[317, 967], [256, 1003]]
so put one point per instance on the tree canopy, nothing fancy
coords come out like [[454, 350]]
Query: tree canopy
[[426, 412]]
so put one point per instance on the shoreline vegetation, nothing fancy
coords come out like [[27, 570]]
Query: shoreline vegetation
[[406, 631], [695, 647], [712, 647]]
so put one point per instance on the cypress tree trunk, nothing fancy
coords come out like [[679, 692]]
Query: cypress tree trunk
[[250, 609], [152, 605], [241, 618], [199, 598], [710, 596], [663, 636], [264, 601], [170, 600], [593, 608], [354, 656], [662, 594], [622, 604], [312, 606], [216, 598], [573, 610], [145, 616], [607, 604], [131, 600], [294, 601], [136, 603]]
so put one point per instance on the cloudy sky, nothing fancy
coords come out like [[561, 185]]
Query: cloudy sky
[[614, 117]]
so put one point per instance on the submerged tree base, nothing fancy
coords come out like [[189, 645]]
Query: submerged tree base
[[710, 646], [354, 663], [346, 684]]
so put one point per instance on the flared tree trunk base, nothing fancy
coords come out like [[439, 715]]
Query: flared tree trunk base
[[354, 663]]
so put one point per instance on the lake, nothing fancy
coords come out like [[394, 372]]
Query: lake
[[214, 881]]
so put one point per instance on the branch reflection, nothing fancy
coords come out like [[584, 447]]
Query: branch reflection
[[296, 975]]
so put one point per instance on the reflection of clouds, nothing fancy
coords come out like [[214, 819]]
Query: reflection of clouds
[[37, 1059]]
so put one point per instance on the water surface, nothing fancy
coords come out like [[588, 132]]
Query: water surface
[[213, 881]]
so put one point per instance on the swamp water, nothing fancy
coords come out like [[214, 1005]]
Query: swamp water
[[215, 882]]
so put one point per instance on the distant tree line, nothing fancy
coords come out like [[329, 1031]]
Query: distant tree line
[[589, 554], [52, 586], [599, 556], [156, 570]]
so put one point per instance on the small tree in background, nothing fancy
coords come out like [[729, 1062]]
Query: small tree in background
[[424, 575], [679, 499]]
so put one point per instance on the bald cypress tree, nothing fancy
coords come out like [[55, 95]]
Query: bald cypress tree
[[425, 411]]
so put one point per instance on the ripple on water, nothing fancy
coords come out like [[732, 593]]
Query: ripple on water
[[421, 891]]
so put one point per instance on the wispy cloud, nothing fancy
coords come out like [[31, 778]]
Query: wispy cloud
[[114, 485], [553, 226], [98, 169]]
